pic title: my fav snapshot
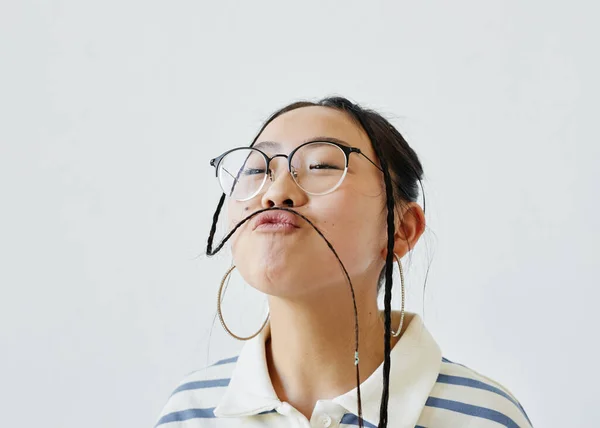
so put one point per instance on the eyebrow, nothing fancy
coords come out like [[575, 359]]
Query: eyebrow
[[276, 145]]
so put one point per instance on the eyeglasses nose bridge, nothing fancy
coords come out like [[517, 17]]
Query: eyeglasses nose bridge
[[270, 173]]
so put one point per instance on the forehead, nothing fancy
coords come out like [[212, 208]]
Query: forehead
[[309, 123]]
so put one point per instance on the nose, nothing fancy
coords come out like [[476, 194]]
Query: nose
[[282, 190]]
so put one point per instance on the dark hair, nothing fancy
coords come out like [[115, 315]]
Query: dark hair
[[402, 173]]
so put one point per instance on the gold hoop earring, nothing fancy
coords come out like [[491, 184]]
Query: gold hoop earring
[[397, 333], [219, 298]]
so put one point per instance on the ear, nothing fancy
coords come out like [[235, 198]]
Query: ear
[[409, 225]]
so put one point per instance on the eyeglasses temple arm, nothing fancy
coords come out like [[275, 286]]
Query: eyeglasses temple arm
[[367, 158]]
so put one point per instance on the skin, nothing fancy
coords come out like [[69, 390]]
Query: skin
[[310, 353]]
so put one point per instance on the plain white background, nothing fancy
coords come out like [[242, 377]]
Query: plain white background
[[110, 112]]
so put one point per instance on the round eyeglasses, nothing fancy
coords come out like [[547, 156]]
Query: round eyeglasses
[[317, 167]]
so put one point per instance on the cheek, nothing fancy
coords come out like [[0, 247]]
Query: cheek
[[352, 209], [236, 212], [353, 226], [370, 188]]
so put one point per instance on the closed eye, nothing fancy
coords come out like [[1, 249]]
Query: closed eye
[[322, 166], [253, 171]]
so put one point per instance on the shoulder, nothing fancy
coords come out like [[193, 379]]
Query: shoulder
[[196, 395], [462, 396]]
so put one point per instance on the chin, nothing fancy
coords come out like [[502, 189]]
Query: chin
[[278, 282]]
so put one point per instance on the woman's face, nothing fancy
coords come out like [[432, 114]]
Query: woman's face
[[298, 263]]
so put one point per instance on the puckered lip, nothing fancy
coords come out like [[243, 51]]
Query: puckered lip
[[275, 217]]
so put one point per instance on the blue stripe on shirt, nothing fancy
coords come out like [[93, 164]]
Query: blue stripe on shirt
[[352, 419], [201, 384], [471, 410], [184, 415], [465, 381], [225, 361], [482, 385]]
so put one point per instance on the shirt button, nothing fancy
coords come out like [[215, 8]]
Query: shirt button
[[325, 420]]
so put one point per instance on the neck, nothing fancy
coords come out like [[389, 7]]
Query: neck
[[310, 351]]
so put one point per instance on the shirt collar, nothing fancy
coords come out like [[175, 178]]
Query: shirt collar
[[415, 363], [250, 390]]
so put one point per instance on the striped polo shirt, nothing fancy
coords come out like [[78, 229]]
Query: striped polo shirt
[[426, 390]]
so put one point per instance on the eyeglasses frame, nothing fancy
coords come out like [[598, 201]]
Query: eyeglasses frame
[[347, 150]]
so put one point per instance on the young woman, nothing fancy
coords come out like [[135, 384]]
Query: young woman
[[321, 207]]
